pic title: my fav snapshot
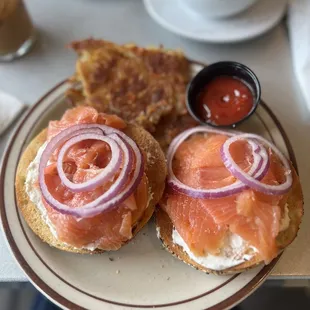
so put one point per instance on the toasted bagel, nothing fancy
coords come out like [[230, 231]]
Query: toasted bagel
[[155, 169], [295, 206]]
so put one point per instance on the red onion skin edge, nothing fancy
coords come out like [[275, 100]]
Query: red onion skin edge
[[109, 199], [102, 177], [249, 180]]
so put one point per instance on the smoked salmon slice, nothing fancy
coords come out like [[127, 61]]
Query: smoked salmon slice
[[83, 115], [204, 223], [110, 229], [194, 223]]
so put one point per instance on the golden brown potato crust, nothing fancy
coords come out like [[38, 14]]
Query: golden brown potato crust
[[144, 86]]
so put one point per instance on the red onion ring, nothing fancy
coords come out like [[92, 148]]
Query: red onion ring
[[260, 160], [106, 173], [248, 179], [120, 190], [258, 169]]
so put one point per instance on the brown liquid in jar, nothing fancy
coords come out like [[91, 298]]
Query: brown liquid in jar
[[15, 26]]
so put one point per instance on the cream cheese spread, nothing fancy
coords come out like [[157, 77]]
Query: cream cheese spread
[[234, 252], [285, 221], [35, 196]]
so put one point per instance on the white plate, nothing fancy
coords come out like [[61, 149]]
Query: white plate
[[258, 19], [148, 277]]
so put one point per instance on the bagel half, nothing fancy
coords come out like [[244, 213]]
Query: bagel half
[[295, 206], [155, 169]]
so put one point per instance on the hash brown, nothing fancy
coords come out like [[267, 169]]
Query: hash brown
[[144, 86]]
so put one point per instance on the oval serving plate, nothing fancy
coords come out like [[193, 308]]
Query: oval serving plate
[[141, 274]]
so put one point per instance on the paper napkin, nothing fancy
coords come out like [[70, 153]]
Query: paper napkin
[[10, 108], [299, 32]]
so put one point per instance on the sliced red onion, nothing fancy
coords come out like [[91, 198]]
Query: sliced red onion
[[258, 169], [105, 175], [120, 190], [61, 138], [260, 160], [247, 179]]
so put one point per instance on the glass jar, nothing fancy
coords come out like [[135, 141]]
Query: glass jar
[[17, 34]]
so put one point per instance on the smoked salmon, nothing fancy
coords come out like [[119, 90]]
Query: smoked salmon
[[204, 223], [84, 160]]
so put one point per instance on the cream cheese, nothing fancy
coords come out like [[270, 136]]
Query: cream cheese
[[285, 221], [234, 252], [158, 232], [35, 196], [34, 192]]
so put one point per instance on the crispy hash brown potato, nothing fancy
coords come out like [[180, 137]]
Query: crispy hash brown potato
[[144, 86]]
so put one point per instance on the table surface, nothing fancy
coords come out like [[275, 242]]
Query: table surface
[[60, 22]]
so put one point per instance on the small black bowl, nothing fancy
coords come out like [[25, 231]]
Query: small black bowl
[[223, 68]]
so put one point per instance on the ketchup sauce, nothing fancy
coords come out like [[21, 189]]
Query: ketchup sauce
[[224, 101]]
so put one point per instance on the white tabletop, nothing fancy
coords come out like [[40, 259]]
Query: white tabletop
[[61, 21]]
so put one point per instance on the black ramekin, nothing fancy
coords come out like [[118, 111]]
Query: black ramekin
[[223, 68]]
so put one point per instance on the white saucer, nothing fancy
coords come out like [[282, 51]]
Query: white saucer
[[258, 19]]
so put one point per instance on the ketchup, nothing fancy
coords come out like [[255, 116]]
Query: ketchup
[[225, 101]]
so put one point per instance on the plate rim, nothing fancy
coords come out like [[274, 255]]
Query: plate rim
[[253, 284]]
